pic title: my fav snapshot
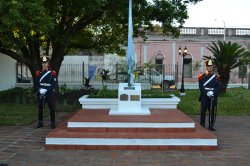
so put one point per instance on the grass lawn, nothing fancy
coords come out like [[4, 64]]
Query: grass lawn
[[235, 102], [18, 114], [22, 114]]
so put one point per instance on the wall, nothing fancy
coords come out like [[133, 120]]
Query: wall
[[78, 59], [195, 39], [72, 69], [7, 72]]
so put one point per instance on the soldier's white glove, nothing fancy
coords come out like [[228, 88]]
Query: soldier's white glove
[[42, 91], [210, 93]]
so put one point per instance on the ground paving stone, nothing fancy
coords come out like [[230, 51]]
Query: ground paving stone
[[24, 146]]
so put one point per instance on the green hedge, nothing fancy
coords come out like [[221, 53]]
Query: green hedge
[[29, 96]]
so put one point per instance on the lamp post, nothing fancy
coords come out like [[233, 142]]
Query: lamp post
[[248, 72], [224, 24], [224, 30], [140, 55], [183, 53]]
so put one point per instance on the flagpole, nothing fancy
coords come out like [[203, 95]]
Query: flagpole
[[130, 54]]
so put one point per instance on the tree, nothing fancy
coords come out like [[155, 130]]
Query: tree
[[227, 56], [30, 28]]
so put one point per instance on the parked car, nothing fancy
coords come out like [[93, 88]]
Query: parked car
[[22, 79], [143, 76], [156, 78]]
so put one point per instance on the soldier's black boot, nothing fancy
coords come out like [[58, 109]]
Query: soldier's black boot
[[211, 123], [211, 128], [202, 124], [53, 125], [40, 124], [202, 117]]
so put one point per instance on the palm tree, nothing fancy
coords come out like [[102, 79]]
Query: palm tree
[[227, 56]]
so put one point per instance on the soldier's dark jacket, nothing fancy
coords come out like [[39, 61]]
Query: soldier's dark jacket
[[208, 82], [45, 79]]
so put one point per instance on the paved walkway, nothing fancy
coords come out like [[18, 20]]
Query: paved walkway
[[24, 146]]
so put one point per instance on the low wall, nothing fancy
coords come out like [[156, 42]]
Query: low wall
[[105, 103]]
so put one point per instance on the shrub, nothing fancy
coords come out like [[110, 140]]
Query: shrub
[[18, 95]]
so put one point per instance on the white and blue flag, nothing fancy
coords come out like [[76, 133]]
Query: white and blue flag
[[130, 54]]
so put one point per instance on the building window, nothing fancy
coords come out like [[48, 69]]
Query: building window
[[188, 31], [159, 63], [242, 32], [188, 67], [215, 31], [23, 73], [242, 72]]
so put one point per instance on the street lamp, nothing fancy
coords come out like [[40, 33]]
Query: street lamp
[[248, 71], [224, 24], [224, 30], [183, 53]]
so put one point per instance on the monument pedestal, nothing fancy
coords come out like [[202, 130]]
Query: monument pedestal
[[129, 101], [163, 129]]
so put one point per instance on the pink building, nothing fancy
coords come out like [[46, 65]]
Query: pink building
[[161, 49]]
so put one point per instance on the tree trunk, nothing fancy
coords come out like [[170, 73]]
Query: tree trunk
[[33, 69], [57, 58], [224, 78]]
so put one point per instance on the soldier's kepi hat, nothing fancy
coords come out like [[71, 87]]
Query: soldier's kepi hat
[[209, 62], [45, 59]]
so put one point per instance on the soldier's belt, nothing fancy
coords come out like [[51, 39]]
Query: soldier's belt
[[44, 84], [209, 88]]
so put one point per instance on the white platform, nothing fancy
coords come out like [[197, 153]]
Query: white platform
[[126, 141], [129, 125], [105, 103]]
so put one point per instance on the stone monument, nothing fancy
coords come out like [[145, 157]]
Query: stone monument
[[129, 99]]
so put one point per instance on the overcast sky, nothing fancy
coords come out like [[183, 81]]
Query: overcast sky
[[213, 13]]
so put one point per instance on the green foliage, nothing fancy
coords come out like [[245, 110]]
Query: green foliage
[[27, 96], [227, 56], [29, 27], [63, 89], [196, 66], [189, 103], [18, 114], [22, 21], [235, 101], [18, 95], [23, 114], [19, 106], [106, 93], [149, 65], [154, 94], [70, 96]]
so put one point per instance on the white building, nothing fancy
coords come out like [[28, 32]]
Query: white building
[[7, 72]]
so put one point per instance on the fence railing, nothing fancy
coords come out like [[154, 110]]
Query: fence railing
[[117, 73], [76, 74], [70, 73]]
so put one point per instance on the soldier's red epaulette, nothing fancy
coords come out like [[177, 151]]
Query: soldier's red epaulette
[[218, 77], [53, 73], [200, 76], [37, 73]]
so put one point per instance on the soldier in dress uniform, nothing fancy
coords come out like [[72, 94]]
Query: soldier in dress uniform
[[45, 85], [209, 85]]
